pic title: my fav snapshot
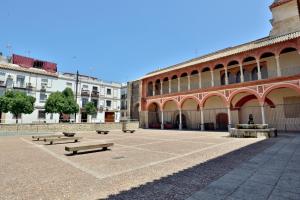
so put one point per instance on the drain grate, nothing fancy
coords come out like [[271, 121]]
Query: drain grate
[[118, 157]]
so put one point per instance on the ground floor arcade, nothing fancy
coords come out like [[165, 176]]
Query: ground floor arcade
[[278, 106]]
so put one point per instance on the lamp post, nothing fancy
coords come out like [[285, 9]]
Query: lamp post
[[76, 91]]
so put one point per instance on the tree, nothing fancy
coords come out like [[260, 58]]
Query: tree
[[3, 104], [90, 108], [62, 103], [54, 103], [18, 103]]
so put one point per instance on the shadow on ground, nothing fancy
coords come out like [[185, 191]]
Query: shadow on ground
[[183, 184]]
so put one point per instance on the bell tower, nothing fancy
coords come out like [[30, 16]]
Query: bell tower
[[286, 18]]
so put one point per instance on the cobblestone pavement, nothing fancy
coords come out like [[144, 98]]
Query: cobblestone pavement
[[273, 174], [146, 165]]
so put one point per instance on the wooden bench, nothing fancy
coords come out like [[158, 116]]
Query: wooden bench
[[75, 149], [51, 140], [128, 131], [42, 137], [102, 131]]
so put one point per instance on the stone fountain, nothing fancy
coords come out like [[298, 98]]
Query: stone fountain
[[252, 130]]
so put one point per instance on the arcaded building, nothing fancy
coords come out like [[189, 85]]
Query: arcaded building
[[221, 89]]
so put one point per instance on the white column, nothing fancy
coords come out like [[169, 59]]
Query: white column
[[226, 76], [161, 87], [189, 82], [178, 84], [170, 86], [202, 119], [258, 69], [162, 120], [242, 73], [153, 89], [212, 78], [277, 57], [200, 84], [146, 119], [229, 118], [180, 119], [263, 117]]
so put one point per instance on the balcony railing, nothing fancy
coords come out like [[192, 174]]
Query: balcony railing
[[95, 94], [207, 84], [19, 85], [85, 93], [29, 86]]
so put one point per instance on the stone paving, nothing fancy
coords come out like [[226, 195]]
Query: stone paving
[[34, 170], [273, 174], [146, 165]]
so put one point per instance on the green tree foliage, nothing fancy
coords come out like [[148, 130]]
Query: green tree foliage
[[54, 103], [68, 93], [17, 103], [3, 104], [62, 102], [90, 108]]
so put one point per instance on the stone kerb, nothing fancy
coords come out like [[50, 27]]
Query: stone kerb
[[64, 127]]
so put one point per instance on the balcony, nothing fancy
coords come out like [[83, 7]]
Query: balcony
[[29, 86], [43, 88], [20, 85], [85, 93], [2, 84], [95, 94]]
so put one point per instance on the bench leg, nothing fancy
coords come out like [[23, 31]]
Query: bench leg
[[51, 142], [76, 140], [74, 152], [104, 148]]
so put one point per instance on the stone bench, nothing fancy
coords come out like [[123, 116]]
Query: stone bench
[[128, 131], [75, 149], [42, 137], [102, 131], [51, 140]]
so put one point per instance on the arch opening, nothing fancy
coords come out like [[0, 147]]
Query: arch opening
[[194, 79], [154, 117], [191, 110], [285, 114], [174, 84], [170, 110], [215, 114]]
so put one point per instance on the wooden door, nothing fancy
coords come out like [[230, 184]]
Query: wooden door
[[109, 117], [222, 121]]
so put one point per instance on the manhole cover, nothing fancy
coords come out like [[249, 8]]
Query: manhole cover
[[118, 157]]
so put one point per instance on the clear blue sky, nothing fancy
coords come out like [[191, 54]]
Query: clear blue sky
[[122, 40]]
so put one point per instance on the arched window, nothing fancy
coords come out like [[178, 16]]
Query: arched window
[[254, 74], [238, 77], [264, 72], [231, 78], [247, 76], [223, 81], [150, 89]]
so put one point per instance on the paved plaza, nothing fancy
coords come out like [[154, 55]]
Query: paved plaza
[[151, 164]]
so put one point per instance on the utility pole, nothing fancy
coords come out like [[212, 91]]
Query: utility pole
[[76, 90]]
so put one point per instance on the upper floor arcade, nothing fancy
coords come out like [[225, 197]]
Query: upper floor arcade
[[274, 61]]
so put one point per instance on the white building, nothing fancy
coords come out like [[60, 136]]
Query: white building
[[41, 83]]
